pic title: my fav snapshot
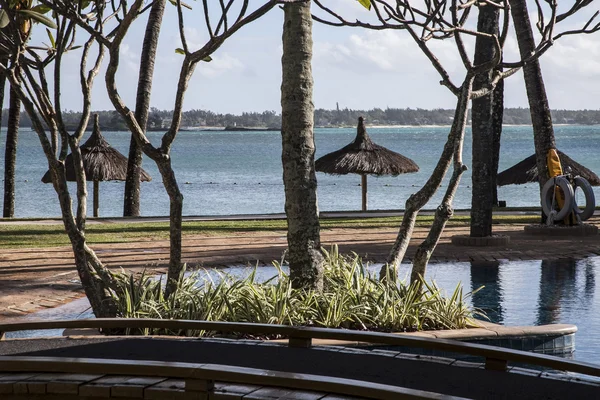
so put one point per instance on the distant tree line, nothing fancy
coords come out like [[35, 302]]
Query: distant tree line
[[160, 119]]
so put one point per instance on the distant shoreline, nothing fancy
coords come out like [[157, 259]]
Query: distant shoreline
[[197, 120], [264, 129]]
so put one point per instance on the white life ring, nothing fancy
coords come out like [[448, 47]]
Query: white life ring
[[590, 199], [548, 195]]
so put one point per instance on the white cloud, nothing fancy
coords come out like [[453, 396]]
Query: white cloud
[[388, 52], [220, 64], [575, 58], [381, 50], [130, 58], [195, 38]]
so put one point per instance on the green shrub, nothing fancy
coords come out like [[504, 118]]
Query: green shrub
[[352, 298]]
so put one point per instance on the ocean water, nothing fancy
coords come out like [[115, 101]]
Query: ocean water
[[224, 173]]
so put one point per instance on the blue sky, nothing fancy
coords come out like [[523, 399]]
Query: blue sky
[[360, 69]]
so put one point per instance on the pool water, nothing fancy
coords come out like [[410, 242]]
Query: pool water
[[515, 293]]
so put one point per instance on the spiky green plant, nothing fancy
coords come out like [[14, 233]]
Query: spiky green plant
[[352, 298]]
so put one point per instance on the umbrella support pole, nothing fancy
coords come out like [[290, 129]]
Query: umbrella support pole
[[363, 184], [96, 198]]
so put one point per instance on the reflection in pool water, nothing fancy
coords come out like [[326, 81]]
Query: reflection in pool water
[[515, 293], [540, 293]]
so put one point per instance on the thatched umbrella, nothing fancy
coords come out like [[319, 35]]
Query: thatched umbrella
[[101, 163], [526, 171], [364, 157]]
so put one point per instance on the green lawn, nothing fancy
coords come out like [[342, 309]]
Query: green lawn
[[27, 235]]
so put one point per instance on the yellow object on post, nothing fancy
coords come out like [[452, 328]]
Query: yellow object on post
[[553, 163], [555, 169]]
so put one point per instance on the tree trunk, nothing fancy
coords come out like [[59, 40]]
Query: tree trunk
[[445, 211], [483, 127], [94, 277], [298, 149], [418, 200], [10, 154], [543, 132], [96, 290], [3, 62], [497, 120], [176, 220], [131, 206]]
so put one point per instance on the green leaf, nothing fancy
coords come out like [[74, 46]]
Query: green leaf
[[42, 9], [52, 41], [180, 51], [207, 59], [365, 3], [3, 19], [38, 18]]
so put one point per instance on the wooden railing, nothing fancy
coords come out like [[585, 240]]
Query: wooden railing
[[200, 379], [495, 358]]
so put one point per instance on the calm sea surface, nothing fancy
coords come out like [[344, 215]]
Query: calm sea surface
[[240, 172]]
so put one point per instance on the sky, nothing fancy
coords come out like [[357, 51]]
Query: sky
[[357, 68]]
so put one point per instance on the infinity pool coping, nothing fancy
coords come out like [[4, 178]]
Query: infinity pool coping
[[483, 331]]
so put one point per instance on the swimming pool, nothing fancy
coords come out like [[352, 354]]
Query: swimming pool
[[515, 293]]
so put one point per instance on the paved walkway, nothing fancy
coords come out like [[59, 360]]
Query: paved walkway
[[33, 278]]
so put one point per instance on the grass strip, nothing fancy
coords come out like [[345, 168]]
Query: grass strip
[[29, 235]]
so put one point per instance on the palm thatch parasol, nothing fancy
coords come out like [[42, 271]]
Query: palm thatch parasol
[[101, 162], [364, 157], [526, 171]]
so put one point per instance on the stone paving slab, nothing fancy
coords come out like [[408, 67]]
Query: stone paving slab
[[17, 386], [134, 387], [53, 383], [228, 391], [102, 387]]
